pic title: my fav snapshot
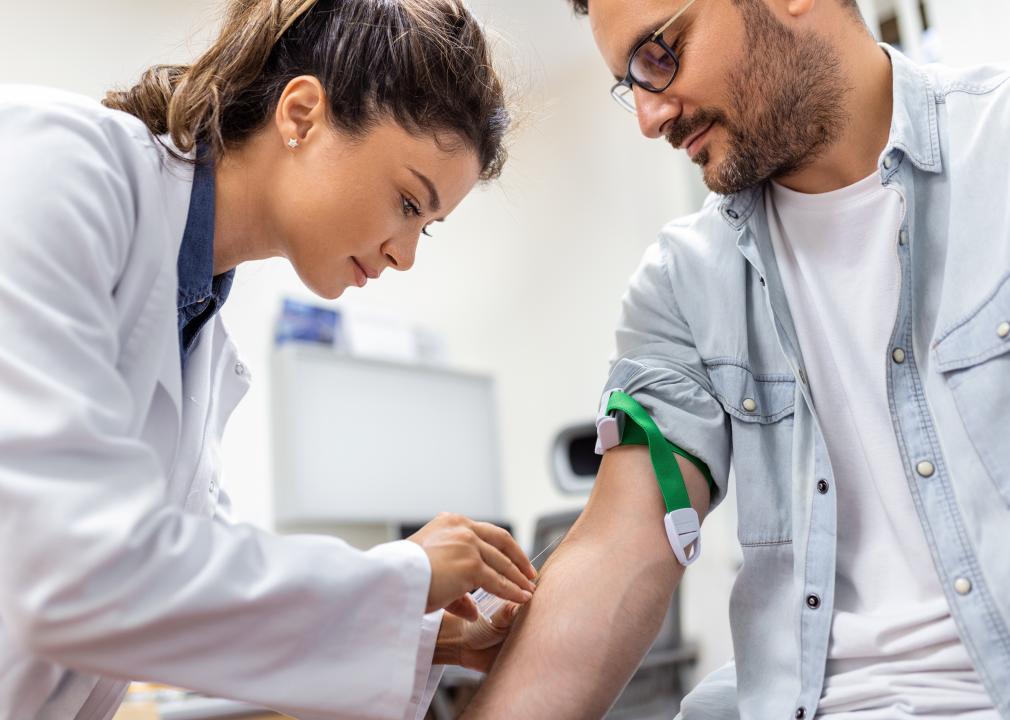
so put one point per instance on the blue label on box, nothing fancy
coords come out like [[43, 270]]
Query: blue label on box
[[302, 322]]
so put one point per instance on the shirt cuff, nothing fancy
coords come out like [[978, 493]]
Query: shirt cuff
[[426, 675]]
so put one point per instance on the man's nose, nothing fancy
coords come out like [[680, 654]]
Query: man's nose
[[654, 110]]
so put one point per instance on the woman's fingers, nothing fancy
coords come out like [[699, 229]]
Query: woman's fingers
[[465, 554], [497, 584], [465, 607], [507, 544], [506, 615], [496, 560]]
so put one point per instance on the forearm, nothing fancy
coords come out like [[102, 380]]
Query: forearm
[[576, 645], [600, 602]]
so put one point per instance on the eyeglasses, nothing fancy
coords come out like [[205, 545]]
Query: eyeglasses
[[652, 65]]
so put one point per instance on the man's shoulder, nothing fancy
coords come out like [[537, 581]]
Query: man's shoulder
[[978, 97], [984, 82], [974, 108], [702, 239]]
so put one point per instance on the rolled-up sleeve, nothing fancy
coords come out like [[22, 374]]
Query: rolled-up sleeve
[[658, 364]]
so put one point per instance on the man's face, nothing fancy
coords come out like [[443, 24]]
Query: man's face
[[755, 98]]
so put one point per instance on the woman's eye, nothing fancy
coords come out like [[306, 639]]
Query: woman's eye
[[409, 208]]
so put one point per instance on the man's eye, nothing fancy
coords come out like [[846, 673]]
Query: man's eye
[[661, 61], [676, 45]]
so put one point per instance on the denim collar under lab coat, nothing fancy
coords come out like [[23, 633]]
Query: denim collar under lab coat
[[201, 294]]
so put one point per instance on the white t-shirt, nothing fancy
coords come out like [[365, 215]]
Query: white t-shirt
[[894, 651]]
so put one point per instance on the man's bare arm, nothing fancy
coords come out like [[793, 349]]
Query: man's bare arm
[[600, 601]]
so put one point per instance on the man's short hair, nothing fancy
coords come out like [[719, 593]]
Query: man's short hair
[[582, 6]]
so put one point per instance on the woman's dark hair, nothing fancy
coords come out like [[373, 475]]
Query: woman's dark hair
[[424, 63], [581, 7]]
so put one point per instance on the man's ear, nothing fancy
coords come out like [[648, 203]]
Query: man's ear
[[798, 8]]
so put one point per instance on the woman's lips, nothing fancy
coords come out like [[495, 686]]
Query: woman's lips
[[360, 276]]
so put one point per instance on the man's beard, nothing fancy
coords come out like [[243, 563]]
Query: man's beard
[[786, 105]]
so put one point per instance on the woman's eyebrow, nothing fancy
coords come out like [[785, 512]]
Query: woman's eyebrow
[[434, 202]]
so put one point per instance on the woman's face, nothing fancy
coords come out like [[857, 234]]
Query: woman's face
[[343, 209]]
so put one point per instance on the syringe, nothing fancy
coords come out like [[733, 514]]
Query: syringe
[[488, 603]]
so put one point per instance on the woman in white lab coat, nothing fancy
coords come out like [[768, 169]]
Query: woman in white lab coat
[[330, 132]]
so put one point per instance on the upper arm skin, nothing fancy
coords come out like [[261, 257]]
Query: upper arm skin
[[600, 601]]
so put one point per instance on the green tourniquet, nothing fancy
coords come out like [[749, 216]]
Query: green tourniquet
[[642, 430]]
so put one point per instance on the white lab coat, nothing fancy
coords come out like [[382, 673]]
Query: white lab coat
[[116, 560]]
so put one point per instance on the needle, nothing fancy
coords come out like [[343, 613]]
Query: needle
[[545, 550]]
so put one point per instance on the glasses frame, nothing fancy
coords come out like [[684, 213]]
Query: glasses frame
[[630, 81]]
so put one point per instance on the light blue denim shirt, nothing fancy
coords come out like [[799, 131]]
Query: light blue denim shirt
[[705, 325]]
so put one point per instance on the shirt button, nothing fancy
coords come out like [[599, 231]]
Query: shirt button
[[749, 405], [800, 713], [733, 213], [898, 355], [813, 602], [822, 487], [925, 468], [1003, 330], [888, 162], [212, 487], [962, 586], [903, 237], [803, 377], [239, 369]]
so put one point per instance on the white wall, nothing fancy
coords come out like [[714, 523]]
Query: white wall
[[91, 46], [971, 32]]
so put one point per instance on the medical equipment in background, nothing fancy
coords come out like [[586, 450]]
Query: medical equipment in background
[[309, 323], [363, 447], [359, 331]]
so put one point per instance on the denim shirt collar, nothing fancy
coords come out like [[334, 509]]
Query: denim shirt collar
[[914, 133], [200, 293]]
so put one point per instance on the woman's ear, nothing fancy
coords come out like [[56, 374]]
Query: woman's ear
[[300, 110]]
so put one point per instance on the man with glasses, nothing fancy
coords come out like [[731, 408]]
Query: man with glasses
[[835, 321]]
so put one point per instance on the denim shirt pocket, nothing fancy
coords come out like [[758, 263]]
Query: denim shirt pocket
[[761, 413], [974, 357]]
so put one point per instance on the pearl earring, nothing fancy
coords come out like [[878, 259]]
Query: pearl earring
[[293, 143]]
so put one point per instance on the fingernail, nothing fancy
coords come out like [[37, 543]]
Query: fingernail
[[527, 596]]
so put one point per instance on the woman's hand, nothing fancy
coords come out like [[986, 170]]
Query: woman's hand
[[465, 555], [473, 644]]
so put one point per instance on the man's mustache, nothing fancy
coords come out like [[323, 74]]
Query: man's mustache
[[683, 129]]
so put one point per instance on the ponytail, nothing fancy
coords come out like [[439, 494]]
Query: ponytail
[[425, 64], [187, 101]]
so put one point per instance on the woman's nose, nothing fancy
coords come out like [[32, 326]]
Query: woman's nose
[[401, 252]]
